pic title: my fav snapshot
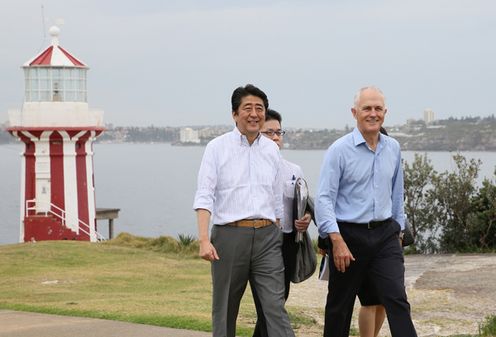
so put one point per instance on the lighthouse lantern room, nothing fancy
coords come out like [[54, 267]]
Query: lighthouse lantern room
[[58, 129]]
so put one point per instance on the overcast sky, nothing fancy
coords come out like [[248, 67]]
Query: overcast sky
[[176, 63]]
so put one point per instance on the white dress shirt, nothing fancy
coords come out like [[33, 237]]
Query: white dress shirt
[[239, 181], [289, 172]]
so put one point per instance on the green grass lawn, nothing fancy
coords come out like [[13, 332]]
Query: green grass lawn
[[153, 284], [152, 281]]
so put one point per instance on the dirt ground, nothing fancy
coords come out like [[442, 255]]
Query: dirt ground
[[448, 294]]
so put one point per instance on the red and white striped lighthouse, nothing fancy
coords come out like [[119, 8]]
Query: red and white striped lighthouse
[[58, 129]]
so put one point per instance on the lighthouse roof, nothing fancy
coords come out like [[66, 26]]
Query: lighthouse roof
[[55, 55]]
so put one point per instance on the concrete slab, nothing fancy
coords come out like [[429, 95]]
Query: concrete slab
[[28, 324]]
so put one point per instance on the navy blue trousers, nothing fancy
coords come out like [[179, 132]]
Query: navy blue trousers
[[379, 257]]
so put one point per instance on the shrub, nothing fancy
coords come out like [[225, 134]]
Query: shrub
[[163, 244], [186, 240], [448, 211], [488, 327]]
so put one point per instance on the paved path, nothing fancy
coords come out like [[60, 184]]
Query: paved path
[[28, 324]]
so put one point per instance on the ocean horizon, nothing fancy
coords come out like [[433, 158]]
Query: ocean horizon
[[153, 185]]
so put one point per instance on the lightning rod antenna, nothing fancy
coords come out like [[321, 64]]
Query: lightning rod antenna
[[43, 26]]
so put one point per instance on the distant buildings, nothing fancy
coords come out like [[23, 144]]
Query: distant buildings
[[428, 116], [200, 135], [188, 135]]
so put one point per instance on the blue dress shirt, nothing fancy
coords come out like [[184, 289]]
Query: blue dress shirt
[[358, 184]]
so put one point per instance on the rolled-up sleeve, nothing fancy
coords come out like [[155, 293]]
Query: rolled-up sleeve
[[207, 181], [278, 191], [397, 211], [325, 201]]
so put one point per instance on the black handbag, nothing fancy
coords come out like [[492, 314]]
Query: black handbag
[[306, 258], [408, 238]]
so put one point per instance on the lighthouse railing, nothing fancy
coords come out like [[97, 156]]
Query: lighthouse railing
[[31, 205]]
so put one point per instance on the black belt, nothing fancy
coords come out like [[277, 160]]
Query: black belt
[[368, 225]]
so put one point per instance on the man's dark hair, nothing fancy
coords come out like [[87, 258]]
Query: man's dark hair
[[271, 115], [247, 90]]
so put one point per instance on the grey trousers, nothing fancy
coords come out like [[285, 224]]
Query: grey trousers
[[254, 255]]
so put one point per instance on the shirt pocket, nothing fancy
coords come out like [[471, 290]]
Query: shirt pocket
[[288, 189]]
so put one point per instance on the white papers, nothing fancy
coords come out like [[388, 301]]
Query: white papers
[[301, 195], [324, 269]]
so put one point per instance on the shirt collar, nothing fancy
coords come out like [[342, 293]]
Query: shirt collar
[[242, 138], [358, 139]]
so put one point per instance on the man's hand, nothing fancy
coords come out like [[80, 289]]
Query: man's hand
[[302, 224], [340, 252], [207, 251]]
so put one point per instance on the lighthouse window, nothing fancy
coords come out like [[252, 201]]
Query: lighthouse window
[[44, 84], [32, 96], [69, 85], [55, 84], [70, 96], [57, 91], [43, 73], [74, 74], [45, 96]]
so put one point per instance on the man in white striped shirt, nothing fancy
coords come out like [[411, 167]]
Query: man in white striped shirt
[[240, 187]]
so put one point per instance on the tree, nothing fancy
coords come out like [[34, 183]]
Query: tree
[[451, 199], [419, 210], [448, 212], [482, 219]]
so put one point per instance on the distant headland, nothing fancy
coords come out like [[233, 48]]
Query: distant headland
[[464, 134]]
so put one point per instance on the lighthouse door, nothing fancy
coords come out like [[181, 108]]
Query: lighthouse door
[[42, 195]]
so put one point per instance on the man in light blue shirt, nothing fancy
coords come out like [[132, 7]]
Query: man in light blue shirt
[[359, 207]]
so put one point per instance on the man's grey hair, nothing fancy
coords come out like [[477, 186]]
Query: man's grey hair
[[359, 93]]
